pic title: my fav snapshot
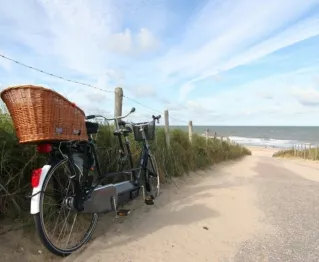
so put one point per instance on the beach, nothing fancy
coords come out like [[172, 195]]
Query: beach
[[263, 151], [258, 208]]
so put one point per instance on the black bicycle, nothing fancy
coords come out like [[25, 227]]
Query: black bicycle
[[70, 191]]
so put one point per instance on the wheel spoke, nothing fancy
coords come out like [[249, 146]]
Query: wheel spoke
[[62, 229], [71, 228]]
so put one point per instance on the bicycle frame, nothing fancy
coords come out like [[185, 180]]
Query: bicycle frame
[[146, 151], [89, 198]]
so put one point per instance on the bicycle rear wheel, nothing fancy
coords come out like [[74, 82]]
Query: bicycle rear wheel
[[61, 229]]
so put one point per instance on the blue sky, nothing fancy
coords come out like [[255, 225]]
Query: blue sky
[[216, 62]]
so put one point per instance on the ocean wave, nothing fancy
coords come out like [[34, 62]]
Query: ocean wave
[[269, 142]]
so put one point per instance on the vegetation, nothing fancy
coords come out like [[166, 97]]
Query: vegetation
[[306, 153], [17, 161]]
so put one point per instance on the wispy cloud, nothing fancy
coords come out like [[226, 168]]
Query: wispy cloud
[[166, 54], [248, 37], [307, 96]]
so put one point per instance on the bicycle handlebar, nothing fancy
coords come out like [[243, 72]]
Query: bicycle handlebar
[[110, 119], [147, 123], [120, 117], [156, 118]]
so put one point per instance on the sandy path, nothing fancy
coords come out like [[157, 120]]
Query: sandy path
[[196, 221], [256, 209]]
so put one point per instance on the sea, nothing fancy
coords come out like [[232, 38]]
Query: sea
[[266, 136]]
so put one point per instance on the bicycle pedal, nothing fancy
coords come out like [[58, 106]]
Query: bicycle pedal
[[149, 202], [123, 212]]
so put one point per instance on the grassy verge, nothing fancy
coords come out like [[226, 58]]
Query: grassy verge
[[308, 153], [17, 161]]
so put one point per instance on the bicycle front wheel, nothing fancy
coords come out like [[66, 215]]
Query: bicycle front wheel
[[61, 229], [152, 178]]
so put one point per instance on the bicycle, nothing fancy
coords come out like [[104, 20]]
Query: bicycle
[[83, 195]]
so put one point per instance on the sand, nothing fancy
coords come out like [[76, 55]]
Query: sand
[[207, 216]]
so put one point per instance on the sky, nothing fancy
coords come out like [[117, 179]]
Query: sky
[[215, 62]]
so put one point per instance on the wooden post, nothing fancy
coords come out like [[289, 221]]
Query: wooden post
[[190, 131], [118, 101], [206, 135], [167, 135]]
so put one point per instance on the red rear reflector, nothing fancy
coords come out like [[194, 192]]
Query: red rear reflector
[[44, 148], [35, 178]]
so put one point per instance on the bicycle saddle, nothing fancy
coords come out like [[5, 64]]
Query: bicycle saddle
[[91, 127]]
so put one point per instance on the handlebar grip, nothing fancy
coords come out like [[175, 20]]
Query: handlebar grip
[[90, 117]]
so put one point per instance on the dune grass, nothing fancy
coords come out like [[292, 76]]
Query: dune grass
[[296, 152], [18, 161]]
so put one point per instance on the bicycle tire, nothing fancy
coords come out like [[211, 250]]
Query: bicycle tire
[[152, 166], [40, 228]]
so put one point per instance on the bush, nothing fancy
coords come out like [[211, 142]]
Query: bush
[[18, 161]]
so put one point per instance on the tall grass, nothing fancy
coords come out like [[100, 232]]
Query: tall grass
[[18, 161], [306, 153]]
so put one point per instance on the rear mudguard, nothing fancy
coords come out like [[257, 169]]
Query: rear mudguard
[[35, 199]]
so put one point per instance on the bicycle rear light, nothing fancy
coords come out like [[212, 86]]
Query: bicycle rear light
[[44, 148], [35, 177]]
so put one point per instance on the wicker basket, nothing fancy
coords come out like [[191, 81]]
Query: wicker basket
[[41, 114], [149, 130]]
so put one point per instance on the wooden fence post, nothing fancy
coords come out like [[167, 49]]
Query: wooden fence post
[[118, 101], [167, 135], [190, 131]]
